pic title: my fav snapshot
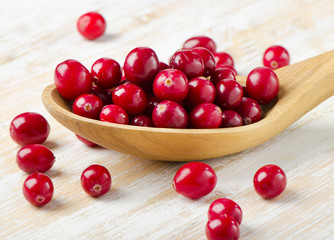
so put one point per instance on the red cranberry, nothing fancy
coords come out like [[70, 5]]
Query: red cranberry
[[28, 128], [104, 94], [163, 66], [221, 74], [141, 66], [275, 57], [230, 118], [189, 62], [91, 25], [262, 85], [170, 84], [229, 67], [142, 120], [131, 98], [205, 115], [96, 180], [169, 114], [223, 59], [38, 189], [106, 73], [225, 206], [200, 41], [201, 90], [208, 60], [269, 181], [114, 114], [72, 79], [152, 103], [228, 94], [35, 158], [249, 110], [86, 141], [88, 105], [222, 227], [194, 180]]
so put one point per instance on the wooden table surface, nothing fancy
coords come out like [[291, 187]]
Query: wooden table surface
[[36, 35]]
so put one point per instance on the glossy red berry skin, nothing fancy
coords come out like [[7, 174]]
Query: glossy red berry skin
[[96, 180], [170, 84], [229, 67], [275, 57], [114, 114], [131, 98], [28, 128], [88, 105], [262, 85], [269, 181], [142, 120], [201, 90], [249, 111], [141, 66], [222, 227], [152, 103], [222, 73], [163, 66], [38, 189], [35, 158], [200, 41], [194, 180], [230, 118], [228, 94], [208, 60], [104, 94], [72, 79], [225, 206], [189, 62], [91, 25], [169, 114], [223, 59], [85, 141], [205, 115], [106, 73]]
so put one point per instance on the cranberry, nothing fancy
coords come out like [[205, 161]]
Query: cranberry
[[249, 110], [72, 79], [275, 57], [86, 141], [225, 206], [189, 62], [91, 25], [201, 90], [163, 66], [221, 74], [96, 180], [35, 158], [222, 227], [208, 60], [194, 180], [106, 73], [141, 65], [223, 59], [205, 115], [88, 105], [230, 118], [169, 114], [228, 94], [142, 120], [229, 67], [152, 103], [269, 181], [104, 94], [200, 41], [170, 84], [38, 189], [131, 98], [28, 128], [114, 114]]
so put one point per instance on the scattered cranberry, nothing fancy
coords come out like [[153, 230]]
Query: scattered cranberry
[[28, 128], [225, 206], [106, 73], [114, 114], [169, 114], [208, 60], [91, 25], [222, 73], [35, 158], [104, 94], [222, 227], [223, 59], [228, 94], [262, 85], [88, 105], [275, 57], [142, 120], [249, 110], [86, 141], [205, 115], [38, 189], [96, 180], [200, 41], [269, 181], [72, 79], [194, 180], [163, 66], [230, 118], [152, 103]]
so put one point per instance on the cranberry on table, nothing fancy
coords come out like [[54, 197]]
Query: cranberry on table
[[142, 120], [169, 114], [114, 114], [230, 118], [262, 85], [223, 59], [72, 79], [228, 94], [208, 60], [91, 25], [104, 94], [96, 180], [222, 73], [88, 105], [205, 115], [275, 57], [249, 110], [85, 141], [269, 181], [200, 41], [28, 128], [151, 104], [225, 206], [38, 189], [222, 227], [106, 73]]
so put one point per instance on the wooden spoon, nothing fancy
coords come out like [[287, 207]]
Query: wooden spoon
[[302, 86]]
